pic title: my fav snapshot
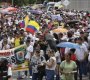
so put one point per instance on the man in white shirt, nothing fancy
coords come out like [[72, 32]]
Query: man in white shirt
[[29, 50], [81, 57], [29, 54]]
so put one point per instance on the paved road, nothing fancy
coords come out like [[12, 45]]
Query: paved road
[[84, 78], [16, 74]]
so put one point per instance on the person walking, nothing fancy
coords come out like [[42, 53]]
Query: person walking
[[50, 66], [67, 68], [81, 55], [38, 67], [29, 51]]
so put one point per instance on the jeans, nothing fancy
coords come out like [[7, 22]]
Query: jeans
[[57, 71], [50, 74], [82, 67], [35, 76]]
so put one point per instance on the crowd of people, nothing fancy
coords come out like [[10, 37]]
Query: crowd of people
[[45, 59]]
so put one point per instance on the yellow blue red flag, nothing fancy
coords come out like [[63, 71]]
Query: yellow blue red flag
[[32, 26]]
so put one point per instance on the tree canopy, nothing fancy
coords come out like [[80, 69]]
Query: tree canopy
[[25, 2]]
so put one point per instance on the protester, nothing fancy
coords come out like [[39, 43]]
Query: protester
[[68, 68], [73, 57], [29, 51], [38, 66], [50, 66], [50, 40], [81, 58], [14, 34], [17, 39]]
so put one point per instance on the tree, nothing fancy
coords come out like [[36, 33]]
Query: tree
[[21, 2], [35, 1], [25, 2], [32, 1]]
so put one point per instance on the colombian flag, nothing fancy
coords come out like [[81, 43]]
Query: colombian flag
[[24, 23], [32, 27]]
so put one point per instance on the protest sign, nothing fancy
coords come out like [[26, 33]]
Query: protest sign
[[16, 57]]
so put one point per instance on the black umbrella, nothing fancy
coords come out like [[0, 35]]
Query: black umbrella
[[73, 22]]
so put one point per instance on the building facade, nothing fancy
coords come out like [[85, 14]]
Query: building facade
[[79, 5]]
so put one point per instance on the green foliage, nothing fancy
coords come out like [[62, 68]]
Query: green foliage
[[25, 2], [21, 2], [32, 1]]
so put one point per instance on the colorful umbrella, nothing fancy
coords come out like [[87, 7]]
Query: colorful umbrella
[[5, 11], [60, 30], [73, 22], [58, 17], [11, 9]]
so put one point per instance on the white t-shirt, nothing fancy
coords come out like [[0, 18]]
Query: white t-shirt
[[58, 58], [10, 40], [6, 47], [16, 21], [54, 65], [86, 44], [80, 53], [29, 50], [28, 35], [67, 50]]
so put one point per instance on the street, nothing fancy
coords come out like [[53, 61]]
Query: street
[[15, 77]]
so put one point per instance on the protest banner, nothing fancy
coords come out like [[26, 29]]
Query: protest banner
[[16, 57], [21, 63]]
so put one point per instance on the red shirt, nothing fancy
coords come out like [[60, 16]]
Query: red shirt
[[73, 57]]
